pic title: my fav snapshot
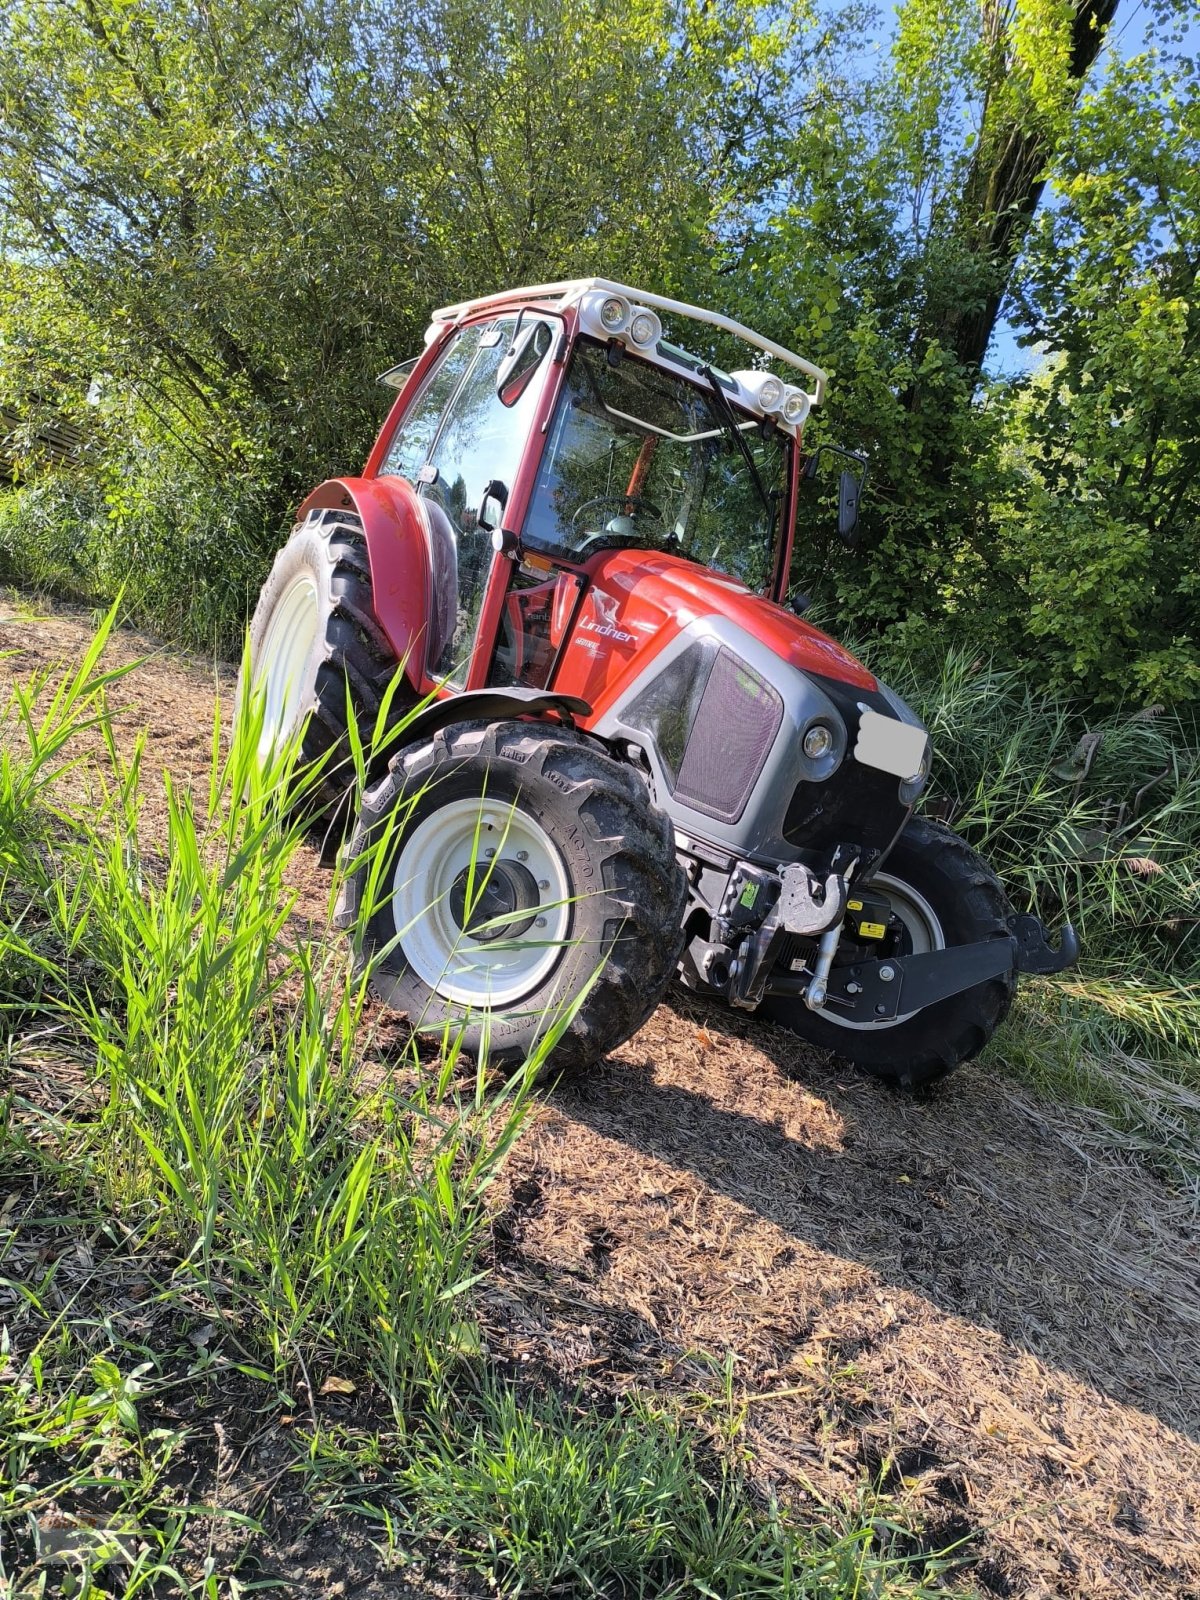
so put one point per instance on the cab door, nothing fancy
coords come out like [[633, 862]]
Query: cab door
[[460, 444]]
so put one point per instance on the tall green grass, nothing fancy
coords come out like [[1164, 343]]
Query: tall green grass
[[561, 1499], [317, 1202], [1095, 819], [324, 1217]]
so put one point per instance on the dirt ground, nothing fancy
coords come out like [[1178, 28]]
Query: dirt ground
[[968, 1296]]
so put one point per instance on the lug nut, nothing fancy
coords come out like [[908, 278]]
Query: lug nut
[[543, 883], [540, 923], [522, 855]]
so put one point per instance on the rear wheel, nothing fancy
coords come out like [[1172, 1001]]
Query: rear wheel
[[313, 636], [942, 894], [521, 862]]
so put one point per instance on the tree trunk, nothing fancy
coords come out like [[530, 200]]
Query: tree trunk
[[1008, 174]]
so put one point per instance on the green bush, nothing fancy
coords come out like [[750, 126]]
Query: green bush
[[187, 553]]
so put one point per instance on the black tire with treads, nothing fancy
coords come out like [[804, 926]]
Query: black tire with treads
[[971, 905], [626, 889], [351, 648]]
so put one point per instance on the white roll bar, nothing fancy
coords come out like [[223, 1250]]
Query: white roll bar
[[573, 289]]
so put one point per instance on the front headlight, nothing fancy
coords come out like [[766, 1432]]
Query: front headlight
[[818, 741]]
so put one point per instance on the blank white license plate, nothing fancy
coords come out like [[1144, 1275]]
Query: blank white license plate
[[891, 746]]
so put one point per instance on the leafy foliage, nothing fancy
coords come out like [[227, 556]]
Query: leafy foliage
[[221, 223]]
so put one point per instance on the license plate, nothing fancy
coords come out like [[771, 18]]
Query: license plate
[[890, 746]]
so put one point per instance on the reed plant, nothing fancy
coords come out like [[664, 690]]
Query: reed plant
[[326, 1213], [1095, 818]]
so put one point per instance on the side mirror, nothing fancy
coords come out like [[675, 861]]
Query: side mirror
[[522, 359], [849, 491], [495, 493]]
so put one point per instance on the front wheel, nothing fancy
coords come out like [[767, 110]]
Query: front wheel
[[520, 863], [942, 894]]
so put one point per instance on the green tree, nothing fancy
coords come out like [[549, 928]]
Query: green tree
[[1103, 530]]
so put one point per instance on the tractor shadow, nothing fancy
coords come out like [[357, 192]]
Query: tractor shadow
[[985, 1204]]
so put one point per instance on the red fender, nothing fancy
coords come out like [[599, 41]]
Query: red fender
[[398, 547]]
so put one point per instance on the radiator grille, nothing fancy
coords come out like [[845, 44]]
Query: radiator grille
[[733, 730]]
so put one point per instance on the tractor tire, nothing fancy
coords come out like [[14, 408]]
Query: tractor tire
[[313, 635], [945, 895], [582, 870]]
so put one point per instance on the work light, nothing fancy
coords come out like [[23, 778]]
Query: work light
[[645, 328], [795, 407], [614, 314], [765, 389]]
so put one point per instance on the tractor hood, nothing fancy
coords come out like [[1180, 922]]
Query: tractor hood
[[656, 595], [718, 689]]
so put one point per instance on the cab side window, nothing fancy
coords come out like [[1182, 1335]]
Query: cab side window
[[409, 449], [480, 439], [457, 441]]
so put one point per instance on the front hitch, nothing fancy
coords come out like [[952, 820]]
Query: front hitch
[[1035, 953], [896, 986], [805, 905]]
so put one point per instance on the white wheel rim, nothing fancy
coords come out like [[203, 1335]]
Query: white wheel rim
[[492, 971], [291, 635], [924, 930]]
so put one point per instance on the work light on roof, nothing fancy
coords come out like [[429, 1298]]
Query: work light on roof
[[644, 328], [795, 407], [614, 313], [764, 388]]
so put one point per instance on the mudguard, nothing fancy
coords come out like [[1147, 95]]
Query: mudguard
[[492, 705], [398, 547]]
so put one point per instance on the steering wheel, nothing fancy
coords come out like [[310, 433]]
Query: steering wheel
[[635, 501]]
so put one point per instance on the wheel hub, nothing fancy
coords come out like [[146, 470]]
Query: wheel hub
[[500, 944], [504, 901]]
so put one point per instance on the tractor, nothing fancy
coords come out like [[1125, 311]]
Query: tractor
[[629, 759]]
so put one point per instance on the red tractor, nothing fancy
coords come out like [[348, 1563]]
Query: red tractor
[[637, 762]]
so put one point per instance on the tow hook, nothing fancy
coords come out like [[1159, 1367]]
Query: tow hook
[[1035, 953]]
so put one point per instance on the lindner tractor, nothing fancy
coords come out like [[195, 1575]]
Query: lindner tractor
[[637, 761]]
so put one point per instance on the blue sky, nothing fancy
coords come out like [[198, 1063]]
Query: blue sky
[[1130, 34]]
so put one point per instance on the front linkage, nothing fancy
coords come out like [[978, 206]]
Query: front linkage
[[811, 906]]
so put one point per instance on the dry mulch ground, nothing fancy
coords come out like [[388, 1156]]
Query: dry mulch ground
[[967, 1295]]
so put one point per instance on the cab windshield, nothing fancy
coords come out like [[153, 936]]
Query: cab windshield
[[640, 458]]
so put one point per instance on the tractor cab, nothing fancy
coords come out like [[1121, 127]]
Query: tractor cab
[[546, 427]]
